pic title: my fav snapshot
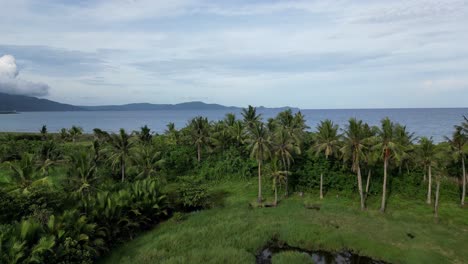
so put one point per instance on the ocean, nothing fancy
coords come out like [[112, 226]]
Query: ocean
[[430, 122]]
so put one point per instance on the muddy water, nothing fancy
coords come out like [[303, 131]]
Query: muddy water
[[318, 256]]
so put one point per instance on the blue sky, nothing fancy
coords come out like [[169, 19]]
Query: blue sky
[[309, 54]]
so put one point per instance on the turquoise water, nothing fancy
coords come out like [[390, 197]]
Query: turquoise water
[[435, 122]]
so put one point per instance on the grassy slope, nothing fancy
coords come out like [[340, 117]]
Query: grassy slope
[[234, 233]]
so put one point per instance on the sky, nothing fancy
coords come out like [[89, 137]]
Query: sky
[[307, 54]]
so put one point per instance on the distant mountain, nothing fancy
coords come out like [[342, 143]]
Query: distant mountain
[[149, 107], [21, 103]]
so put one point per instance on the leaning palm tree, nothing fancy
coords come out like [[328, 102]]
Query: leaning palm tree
[[390, 149], [284, 148], [120, 147], [327, 141], [426, 152], [353, 149], [75, 132], [458, 144], [260, 146], [250, 116], [200, 133]]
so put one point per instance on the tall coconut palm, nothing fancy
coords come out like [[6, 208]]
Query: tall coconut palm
[[230, 119], [278, 177], [120, 147], [74, 132], [390, 149], [220, 136], [172, 133], [458, 144], [200, 133], [442, 162], [260, 147], [250, 116], [284, 148], [327, 141], [353, 150], [427, 153], [237, 131], [405, 140], [286, 119], [145, 135]]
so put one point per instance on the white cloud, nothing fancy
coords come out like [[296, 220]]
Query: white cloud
[[8, 67], [10, 84]]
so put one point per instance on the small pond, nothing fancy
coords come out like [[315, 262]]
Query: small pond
[[317, 256]]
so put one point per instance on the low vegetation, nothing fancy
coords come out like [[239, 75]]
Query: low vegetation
[[378, 191]]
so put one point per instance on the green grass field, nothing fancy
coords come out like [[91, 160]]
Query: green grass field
[[235, 232]]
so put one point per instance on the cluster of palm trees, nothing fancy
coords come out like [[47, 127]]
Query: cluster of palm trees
[[360, 145]]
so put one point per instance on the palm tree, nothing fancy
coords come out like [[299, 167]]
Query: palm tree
[[43, 132], [64, 134], [230, 119], [286, 119], [26, 173], [284, 148], [327, 141], [458, 144], [353, 150], [220, 137], [144, 135], [237, 131], [250, 116], [442, 162], [405, 140], [390, 149], [75, 132], [172, 133], [200, 133], [147, 159], [427, 151], [279, 177], [120, 146], [260, 146], [82, 172]]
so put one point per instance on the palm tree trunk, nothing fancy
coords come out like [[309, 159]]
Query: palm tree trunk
[[425, 170], [436, 203], [285, 166], [384, 188], [369, 174], [321, 185], [259, 199], [123, 170], [199, 152], [360, 188], [463, 182], [429, 186]]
